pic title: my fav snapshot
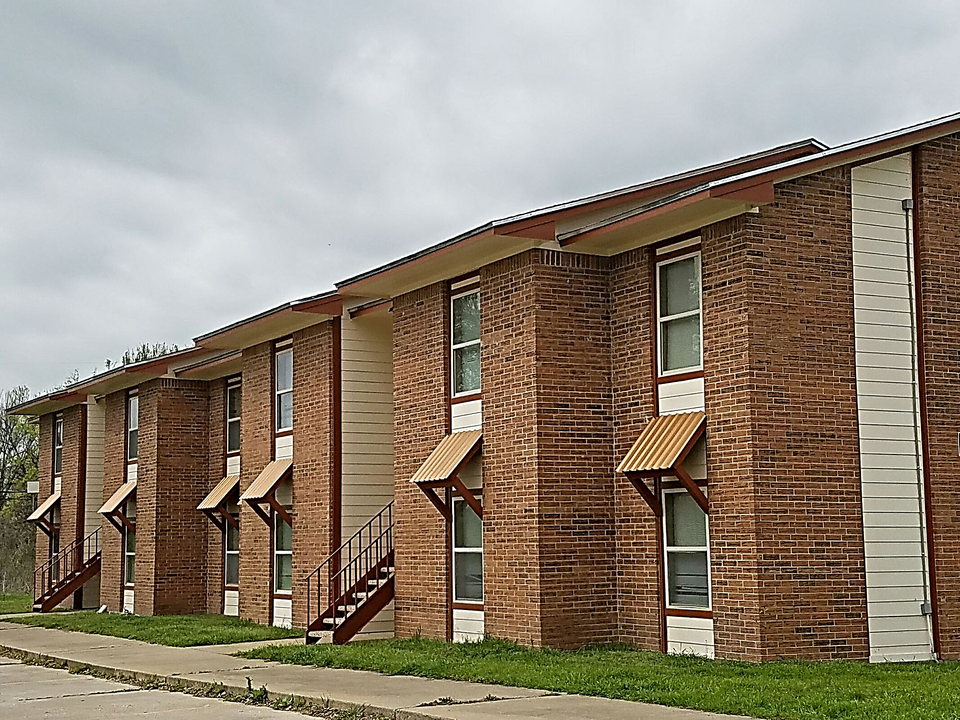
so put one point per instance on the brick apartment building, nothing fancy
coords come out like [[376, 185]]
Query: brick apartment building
[[714, 413]]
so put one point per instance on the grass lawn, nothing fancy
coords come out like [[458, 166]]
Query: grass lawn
[[15, 603], [783, 690], [174, 630]]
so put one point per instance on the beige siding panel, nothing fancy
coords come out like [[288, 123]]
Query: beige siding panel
[[231, 602], [283, 447], [467, 625], [690, 636], [131, 472], [233, 465], [681, 396], [128, 601], [366, 373], [94, 486], [890, 459], [282, 612], [466, 416]]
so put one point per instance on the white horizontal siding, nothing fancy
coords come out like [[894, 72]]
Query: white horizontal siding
[[231, 602], [128, 600], [233, 465], [131, 472], [283, 447], [893, 521], [466, 416], [680, 396], [467, 625], [282, 612], [690, 636]]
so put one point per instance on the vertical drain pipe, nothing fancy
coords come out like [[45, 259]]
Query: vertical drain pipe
[[926, 607]]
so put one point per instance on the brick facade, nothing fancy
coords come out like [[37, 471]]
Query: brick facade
[[786, 516], [938, 169], [114, 475], [420, 330], [256, 444], [315, 535]]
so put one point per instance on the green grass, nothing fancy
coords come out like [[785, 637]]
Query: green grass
[[15, 603], [173, 630], [783, 690]]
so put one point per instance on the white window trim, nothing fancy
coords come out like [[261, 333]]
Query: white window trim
[[667, 549], [135, 419], [232, 386], [460, 551], [457, 346], [277, 392], [277, 553], [227, 552], [57, 445], [679, 316]]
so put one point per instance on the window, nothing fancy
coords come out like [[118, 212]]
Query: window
[[231, 559], [233, 418], [133, 426], [283, 380], [687, 555], [678, 304], [282, 554], [465, 343], [58, 445], [129, 543], [467, 553]]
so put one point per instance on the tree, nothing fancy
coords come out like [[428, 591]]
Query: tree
[[145, 351], [19, 447]]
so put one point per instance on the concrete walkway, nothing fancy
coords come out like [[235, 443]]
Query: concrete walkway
[[393, 696]]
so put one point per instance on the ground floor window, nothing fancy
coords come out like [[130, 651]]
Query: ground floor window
[[129, 542], [686, 550], [231, 553], [467, 553], [282, 554]]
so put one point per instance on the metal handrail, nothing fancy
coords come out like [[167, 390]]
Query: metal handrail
[[65, 563], [358, 559]]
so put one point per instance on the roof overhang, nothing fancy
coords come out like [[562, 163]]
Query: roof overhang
[[39, 516], [113, 508], [275, 323], [113, 380], [219, 366], [503, 238], [214, 504]]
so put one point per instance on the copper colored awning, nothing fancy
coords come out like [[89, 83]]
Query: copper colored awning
[[261, 490], [442, 467], [44, 507], [660, 450], [117, 500], [220, 493], [662, 441]]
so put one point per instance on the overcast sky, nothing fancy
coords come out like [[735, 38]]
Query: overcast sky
[[170, 167]]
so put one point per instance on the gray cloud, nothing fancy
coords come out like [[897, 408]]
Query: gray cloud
[[166, 168]]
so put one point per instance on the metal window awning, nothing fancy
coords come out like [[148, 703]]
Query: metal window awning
[[39, 515], [214, 504], [443, 466], [112, 509], [660, 450], [261, 491]]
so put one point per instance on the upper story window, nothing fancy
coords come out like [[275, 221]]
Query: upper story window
[[133, 426], [685, 530], [465, 343], [57, 444], [283, 387], [233, 417], [678, 314]]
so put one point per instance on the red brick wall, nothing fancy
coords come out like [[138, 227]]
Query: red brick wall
[[172, 480], [786, 529], [114, 475], [313, 469], [45, 476], [70, 479], [216, 469], [512, 566], [420, 330], [938, 165], [631, 308], [256, 444]]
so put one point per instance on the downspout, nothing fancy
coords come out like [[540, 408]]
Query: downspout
[[926, 608]]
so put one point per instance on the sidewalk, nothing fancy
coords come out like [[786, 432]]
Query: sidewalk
[[400, 697]]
